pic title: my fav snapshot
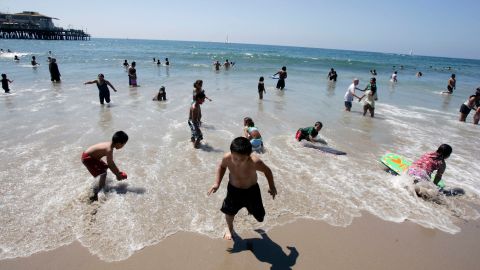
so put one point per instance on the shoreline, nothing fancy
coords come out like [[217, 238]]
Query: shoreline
[[368, 243]]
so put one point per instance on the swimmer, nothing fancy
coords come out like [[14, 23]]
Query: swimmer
[[217, 65], [226, 65], [34, 62]]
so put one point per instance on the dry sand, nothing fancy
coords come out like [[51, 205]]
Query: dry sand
[[369, 243]]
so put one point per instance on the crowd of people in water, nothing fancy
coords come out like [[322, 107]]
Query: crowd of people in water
[[242, 189]]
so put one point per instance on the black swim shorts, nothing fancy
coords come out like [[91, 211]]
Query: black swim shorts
[[237, 198], [196, 132], [464, 109]]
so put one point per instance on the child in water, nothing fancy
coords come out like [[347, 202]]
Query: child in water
[[242, 189], [5, 83], [197, 89], [251, 132], [370, 97], [261, 87], [309, 133], [195, 119], [162, 95], [92, 159], [421, 169]]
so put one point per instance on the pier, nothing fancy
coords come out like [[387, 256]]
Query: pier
[[33, 25]]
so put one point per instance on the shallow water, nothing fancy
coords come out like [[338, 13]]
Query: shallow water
[[45, 128]]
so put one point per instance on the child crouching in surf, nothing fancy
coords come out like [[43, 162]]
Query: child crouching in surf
[[251, 132]]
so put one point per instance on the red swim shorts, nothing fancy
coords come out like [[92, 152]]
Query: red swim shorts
[[298, 135], [94, 166]]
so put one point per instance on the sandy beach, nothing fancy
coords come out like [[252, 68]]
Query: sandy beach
[[369, 243], [331, 212]]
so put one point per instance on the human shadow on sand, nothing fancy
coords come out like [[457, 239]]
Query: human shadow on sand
[[123, 188], [208, 148], [265, 250]]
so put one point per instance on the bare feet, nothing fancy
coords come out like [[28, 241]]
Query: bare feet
[[196, 144]]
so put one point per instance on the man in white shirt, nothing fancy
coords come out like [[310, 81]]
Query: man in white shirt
[[350, 94]]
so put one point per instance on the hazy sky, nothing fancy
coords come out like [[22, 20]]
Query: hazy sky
[[428, 27]]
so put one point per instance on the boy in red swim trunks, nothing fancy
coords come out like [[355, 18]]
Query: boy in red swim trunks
[[92, 159]]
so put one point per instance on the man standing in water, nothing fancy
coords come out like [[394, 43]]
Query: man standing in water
[[332, 75], [350, 94], [282, 75], [451, 84], [54, 72]]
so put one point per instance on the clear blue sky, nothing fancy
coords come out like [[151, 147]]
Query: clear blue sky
[[428, 27]]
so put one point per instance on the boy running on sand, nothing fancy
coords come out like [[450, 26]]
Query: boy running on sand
[[242, 189], [92, 159]]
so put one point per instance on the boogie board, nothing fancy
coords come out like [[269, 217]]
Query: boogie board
[[398, 164], [325, 149]]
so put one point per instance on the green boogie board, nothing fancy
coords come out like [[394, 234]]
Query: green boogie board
[[399, 164]]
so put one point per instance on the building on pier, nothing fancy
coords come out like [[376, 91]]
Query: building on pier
[[33, 25]]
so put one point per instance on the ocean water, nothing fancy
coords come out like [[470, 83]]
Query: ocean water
[[45, 127]]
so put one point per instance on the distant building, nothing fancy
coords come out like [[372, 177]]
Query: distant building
[[27, 20], [33, 25]]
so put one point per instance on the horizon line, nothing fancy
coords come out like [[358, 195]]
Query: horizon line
[[294, 46]]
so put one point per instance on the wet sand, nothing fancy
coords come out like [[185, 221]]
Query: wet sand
[[369, 243]]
